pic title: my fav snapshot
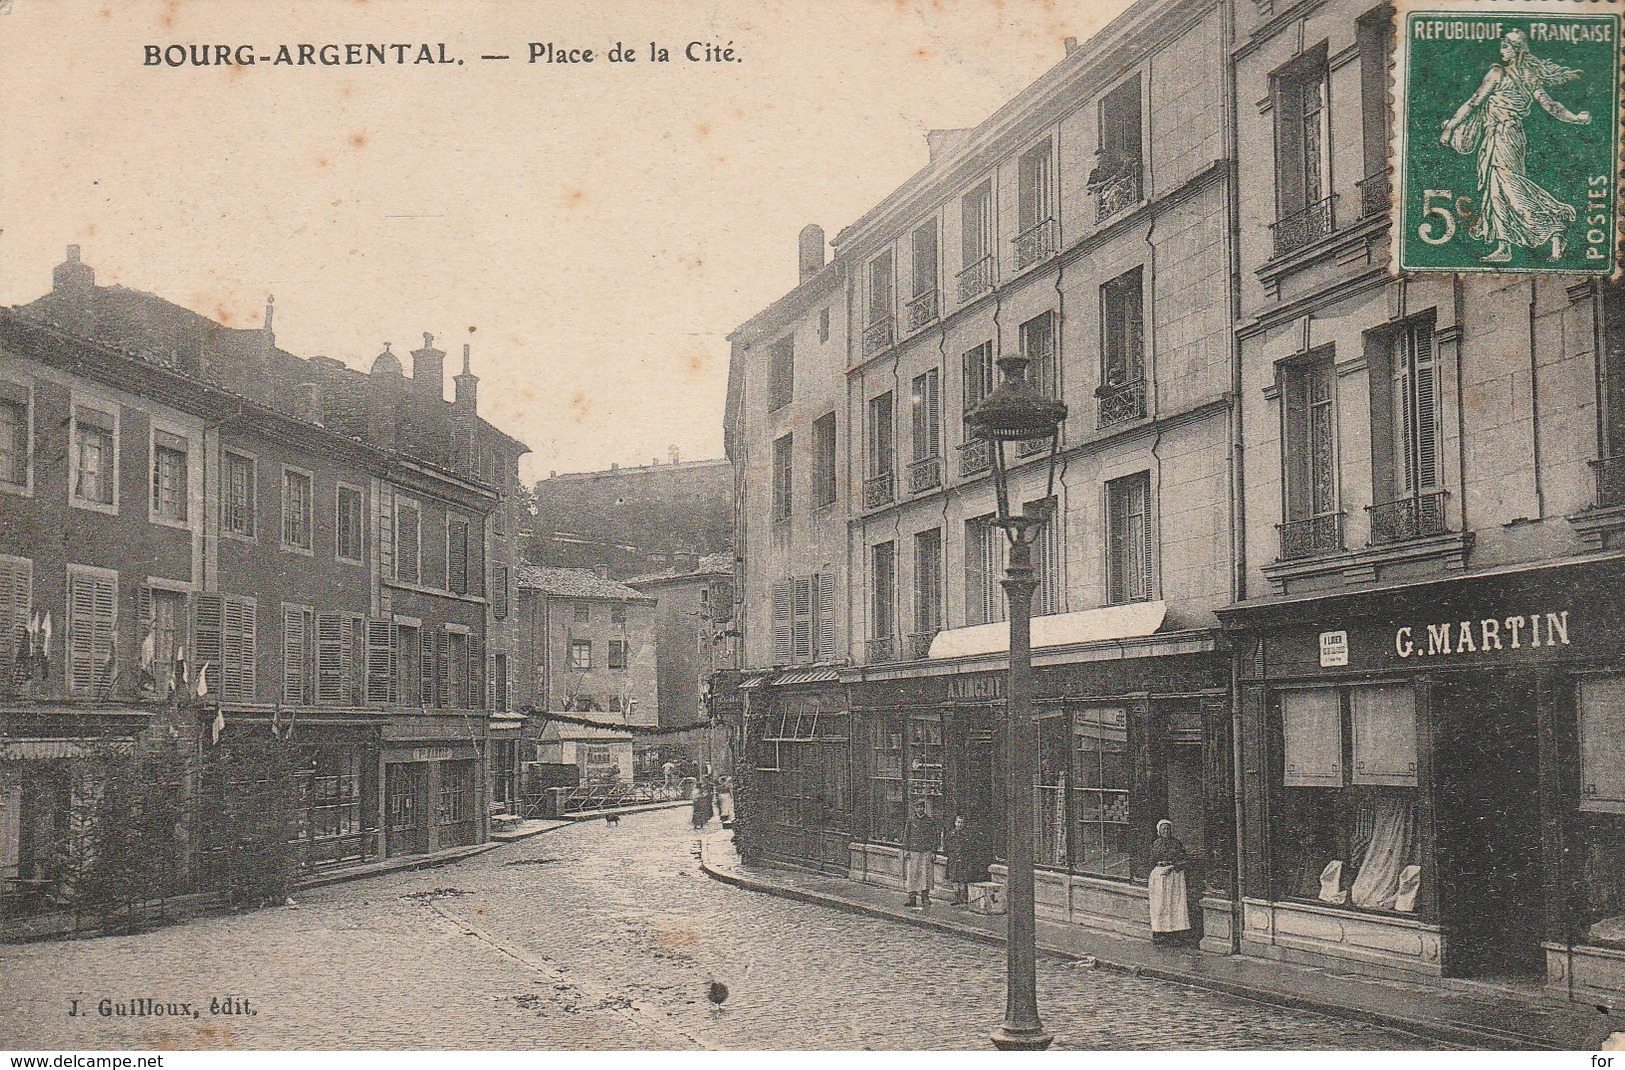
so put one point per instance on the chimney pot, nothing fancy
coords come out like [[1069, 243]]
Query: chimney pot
[[1071, 45], [73, 254]]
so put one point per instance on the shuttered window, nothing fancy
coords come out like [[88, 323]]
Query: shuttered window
[[1311, 473], [781, 385], [783, 645], [406, 541], [1384, 733], [928, 582], [13, 435], [474, 652], [1312, 738], [882, 298], [824, 447], [428, 683], [225, 638], [16, 603], [976, 222], [1035, 187], [926, 401], [348, 524], [1047, 563], [1416, 408], [984, 558], [801, 609], [825, 612], [1128, 540], [380, 662], [457, 555], [783, 475], [499, 597], [883, 590], [881, 445], [299, 638], [92, 631], [337, 638]]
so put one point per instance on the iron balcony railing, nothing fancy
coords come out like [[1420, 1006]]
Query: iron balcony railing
[[1124, 188], [1610, 473], [924, 474], [882, 649], [1121, 402], [1374, 196], [922, 310], [1419, 516], [919, 645], [1037, 243], [1029, 446], [1304, 227], [878, 490], [1311, 536], [975, 457], [975, 279], [878, 335]]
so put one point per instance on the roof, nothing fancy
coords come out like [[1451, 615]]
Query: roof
[[576, 583], [711, 565], [638, 470]]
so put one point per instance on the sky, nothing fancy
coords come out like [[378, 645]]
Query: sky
[[593, 230]]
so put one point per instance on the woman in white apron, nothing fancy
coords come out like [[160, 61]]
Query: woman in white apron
[[1170, 906]]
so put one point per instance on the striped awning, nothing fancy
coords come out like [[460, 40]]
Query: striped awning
[[33, 749], [806, 676]]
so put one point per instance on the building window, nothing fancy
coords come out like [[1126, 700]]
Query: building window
[[16, 609], [1602, 741], [617, 653], [583, 613], [1128, 539], [781, 387], [927, 587], [1312, 521], [1117, 178], [922, 304], [1038, 346], [335, 807], [1347, 833], [408, 541], [92, 631], [617, 613], [1122, 372], [883, 591], [169, 482], [925, 401], [824, 446], [1102, 843], [976, 241], [349, 524], [225, 636], [1374, 33], [457, 555], [881, 442], [14, 436], [882, 299], [976, 376], [783, 459], [984, 559], [804, 619], [298, 643], [239, 495], [581, 654], [499, 602], [162, 626], [1046, 561], [1302, 153], [95, 458], [823, 325], [1038, 237], [296, 498], [888, 810], [1415, 409], [1403, 368]]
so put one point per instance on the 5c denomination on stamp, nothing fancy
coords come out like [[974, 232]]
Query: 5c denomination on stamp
[[1508, 146]]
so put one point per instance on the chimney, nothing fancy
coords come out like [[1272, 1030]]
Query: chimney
[[1071, 44], [810, 250], [385, 385], [671, 452], [465, 419], [309, 399], [429, 371], [73, 284]]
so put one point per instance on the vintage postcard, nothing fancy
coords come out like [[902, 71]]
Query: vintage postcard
[[676, 527]]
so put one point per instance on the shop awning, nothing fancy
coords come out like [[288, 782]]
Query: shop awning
[[806, 676], [1106, 624]]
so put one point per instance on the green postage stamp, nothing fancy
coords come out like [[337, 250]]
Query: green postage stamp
[[1508, 146]]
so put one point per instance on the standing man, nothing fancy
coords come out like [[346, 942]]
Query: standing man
[[921, 840]]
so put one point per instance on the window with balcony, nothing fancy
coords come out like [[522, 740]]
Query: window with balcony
[[169, 476], [238, 495], [923, 297], [984, 560], [1117, 180], [976, 383], [783, 460], [883, 601], [1122, 374], [1039, 237], [1303, 162], [825, 486], [1037, 341], [879, 329], [925, 403], [1374, 34], [976, 241], [1128, 539], [927, 591], [878, 488], [1313, 523], [781, 384], [1403, 367], [14, 451]]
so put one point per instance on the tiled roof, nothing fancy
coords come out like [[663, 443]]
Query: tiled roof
[[709, 565], [576, 583]]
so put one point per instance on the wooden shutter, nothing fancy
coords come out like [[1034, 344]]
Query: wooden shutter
[[476, 672], [238, 649], [446, 686], [1602, 743], [1312, 734], [782, 642], [16, 603], [426, 663], [208, 639], [1384, 730], [386, 531], [457, 555], [330, 659], [293, 655], [1289, 111], [354, 632], [92, 615], [802, 624], [976, 532], [380, 662], [826, 616], [1426, 407]]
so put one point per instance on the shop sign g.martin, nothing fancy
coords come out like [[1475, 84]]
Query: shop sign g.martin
[[1483, 636]]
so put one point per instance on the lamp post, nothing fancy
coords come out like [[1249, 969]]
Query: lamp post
[[1016, 412]]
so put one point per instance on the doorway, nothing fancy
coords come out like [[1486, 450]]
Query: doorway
[[1491, 902]]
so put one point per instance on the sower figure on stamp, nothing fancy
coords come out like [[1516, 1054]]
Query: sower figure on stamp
[[1512, 209], [921, 840]]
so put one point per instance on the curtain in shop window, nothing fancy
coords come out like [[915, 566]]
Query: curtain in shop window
[[1387, 830]]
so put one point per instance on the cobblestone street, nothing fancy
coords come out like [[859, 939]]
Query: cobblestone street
[[595, 937]]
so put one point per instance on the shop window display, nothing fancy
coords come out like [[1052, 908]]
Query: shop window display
[[888, 812], [1600, 822]]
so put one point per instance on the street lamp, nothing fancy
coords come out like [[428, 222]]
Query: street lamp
[[1016, 412]]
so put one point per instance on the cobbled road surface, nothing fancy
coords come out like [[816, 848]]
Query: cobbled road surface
[[594, 937]]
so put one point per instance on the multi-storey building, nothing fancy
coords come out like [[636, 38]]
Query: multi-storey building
[[1083, 226], [693, 641], [1427, 648], [311, 543]]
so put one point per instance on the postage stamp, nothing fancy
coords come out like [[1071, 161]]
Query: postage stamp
[[1508, 136]]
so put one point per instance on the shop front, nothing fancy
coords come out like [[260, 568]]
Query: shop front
[[1127, 735], [796, 803], [433, 797], [1433, 780]]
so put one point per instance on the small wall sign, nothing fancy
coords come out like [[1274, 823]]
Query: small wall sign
[[1334, 649]]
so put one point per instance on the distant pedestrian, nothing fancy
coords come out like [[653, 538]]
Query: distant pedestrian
[[921, 840], [702, 810], [669, 770], [1169, 891], [725, 802], [966, 864]]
